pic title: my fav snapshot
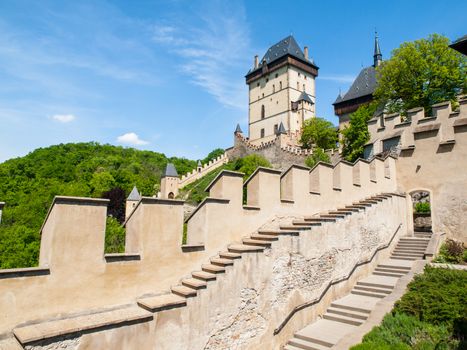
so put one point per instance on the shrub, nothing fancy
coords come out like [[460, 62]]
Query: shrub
[[452, 252], [114, 236], [422, 207], [248, 164], [318, 156]]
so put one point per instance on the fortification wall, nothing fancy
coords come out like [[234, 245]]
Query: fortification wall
[[75, 279], [276, 151], [432, 157], [198, 173]]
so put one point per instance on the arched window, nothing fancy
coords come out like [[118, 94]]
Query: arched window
[[171, 195], [262, 112]]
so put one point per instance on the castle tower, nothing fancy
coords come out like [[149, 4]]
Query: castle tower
[[169, 182], [131, 201], [377, 56], [281, 90]]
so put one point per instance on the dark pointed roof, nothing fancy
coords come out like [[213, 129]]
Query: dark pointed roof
[[305, 97], [286, 46], [377, 56], [364, 84], [199, 164], [134, 195], [238, 129], [460, 45], [170, 171], [281, 129]]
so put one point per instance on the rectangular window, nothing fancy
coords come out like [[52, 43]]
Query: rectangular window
[[262, 133], [276, 127], [391, 144]]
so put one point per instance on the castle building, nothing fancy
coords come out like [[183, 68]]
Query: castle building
[[169, 182], [360, 92], [281, 90]]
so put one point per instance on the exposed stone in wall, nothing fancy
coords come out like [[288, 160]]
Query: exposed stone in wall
[[236, 330], [65, 343]]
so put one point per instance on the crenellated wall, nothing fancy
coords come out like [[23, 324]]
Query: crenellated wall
[[432, 156], [76, 279], [199, 172]]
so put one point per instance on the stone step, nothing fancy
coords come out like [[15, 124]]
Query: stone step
[[184, 291], [353, 210], [414, 255], [358, 303], [298, 343], [243, 248], [229, 255], [374, 199], [353, 314], [403, 258], [368, 294], [279, 232], [337, 216], [410, 244], [194, 283], [264, 237], [203, 275], [361, 204], [306, 223], [390, 266], [324, 332], [70, 325], [161, 302], [411, 252], [338, 212], [343, 319], [372, 289], [403, 248], [357, 206], [410, 239], [395, 271], [378, 285], [222, 262], [211, 268], [368, 201], [387, 274], [256, 242], [319, 219], [292, 227]]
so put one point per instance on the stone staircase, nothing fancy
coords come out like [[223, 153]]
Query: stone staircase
[[257, 242], [349, 312]]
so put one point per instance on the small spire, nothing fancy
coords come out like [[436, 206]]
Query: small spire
[[281, 129], [199, 164], [170, 171], [238, 130], [134, 195], [377, 56]]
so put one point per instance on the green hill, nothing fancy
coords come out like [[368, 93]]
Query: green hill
[[28, 185]]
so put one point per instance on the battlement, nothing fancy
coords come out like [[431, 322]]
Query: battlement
[[199, 172], [402, 133]]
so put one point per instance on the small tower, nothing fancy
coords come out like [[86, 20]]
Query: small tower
[[169, 182], [199, 167], [238, 129], [131, 201], [377, 57]]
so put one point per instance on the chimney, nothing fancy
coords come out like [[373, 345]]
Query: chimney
[[256, 61], [305, 51]]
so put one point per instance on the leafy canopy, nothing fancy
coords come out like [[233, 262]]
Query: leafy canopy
[[356, 134], [318, 156], [421, 73], [320, 133]]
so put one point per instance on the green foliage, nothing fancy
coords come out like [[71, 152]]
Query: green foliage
[[248, 164], [452, 252], [356, 134], [320, 133], [28, 185], [213, 155], [318, 156], [422, 207], [401, 331], [420, 74], [114, 236], [431, 315]]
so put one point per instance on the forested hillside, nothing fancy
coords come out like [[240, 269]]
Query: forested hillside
[[28, 185]]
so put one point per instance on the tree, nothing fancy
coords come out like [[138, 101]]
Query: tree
[[116, 208], [420, 74], [318, 156], [319, 132], [213, 155], [248, 164], [356, 135]]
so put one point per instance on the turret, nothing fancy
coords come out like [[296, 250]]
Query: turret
[[131, 201], [169, 182], [377, 57]]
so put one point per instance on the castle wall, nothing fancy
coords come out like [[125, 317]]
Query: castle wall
[[196, 174], [76, 278], [432, 157]]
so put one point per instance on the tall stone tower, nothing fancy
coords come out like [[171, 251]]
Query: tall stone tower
[[281, 90]]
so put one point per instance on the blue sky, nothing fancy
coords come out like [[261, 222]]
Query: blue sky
[[168, 76]]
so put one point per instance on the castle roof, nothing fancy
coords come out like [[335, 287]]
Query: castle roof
[[170, 171], [281, 129], [460, 45], [287, 46], [363, 85], [134, 195], [305, 97], [238, 129]]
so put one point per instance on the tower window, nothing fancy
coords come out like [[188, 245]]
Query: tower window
[[262, 132], [299, 75], [257, 84], [276, 127], [305, 77], [303, 87], [298, 85], [262, 112], [273, 88], [262, 95], [277, 75], [280, 85]]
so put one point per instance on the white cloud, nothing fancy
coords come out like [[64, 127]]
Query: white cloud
[[344, 78], [130, 138], [214, 51], [63, 118]]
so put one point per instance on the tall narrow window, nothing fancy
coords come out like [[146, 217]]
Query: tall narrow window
[[262, 133], [276, 127], [303, 87], [262, 112], [280, 85], [298, 86], [273, 88]]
